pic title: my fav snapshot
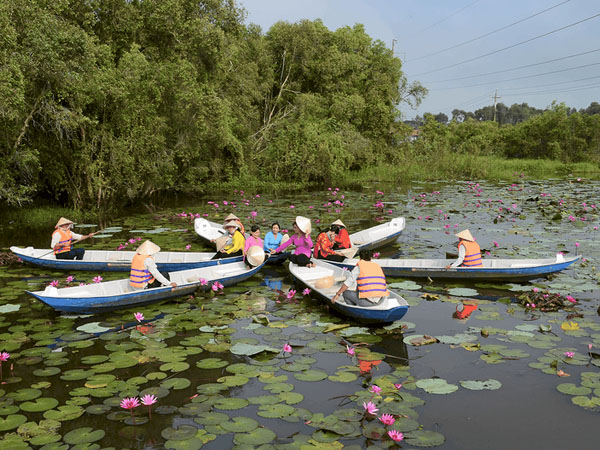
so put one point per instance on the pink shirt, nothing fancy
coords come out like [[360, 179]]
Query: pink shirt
[[303, 245], [250, 241]]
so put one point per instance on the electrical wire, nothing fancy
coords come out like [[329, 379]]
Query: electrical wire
[[445, 18], [509, 47]]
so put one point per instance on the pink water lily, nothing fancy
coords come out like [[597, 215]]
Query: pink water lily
[[306, 291], [130, 403], [375, 389], [4, 356], [97, 279], [569, 354], [291, 294], [395, 435], [138, 316], [203, 281], [287, 348], [350, 350], [370, 407], [571, 299], [148, 400], [187, 247], [398, 386], [70, 278], [54, 283], [387, 419]]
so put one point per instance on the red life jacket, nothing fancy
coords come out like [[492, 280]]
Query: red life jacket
[[472, 254], [139, 275], [371, 280], [64, 245]]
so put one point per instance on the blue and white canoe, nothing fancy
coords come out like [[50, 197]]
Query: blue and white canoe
[[392, 308], [492, 269], [371, 238], [119, 261], [113, 295]]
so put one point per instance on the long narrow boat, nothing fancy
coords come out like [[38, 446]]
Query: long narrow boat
[[492, 269], [371, 238], [119, 261], [112, 295], [392, 308]]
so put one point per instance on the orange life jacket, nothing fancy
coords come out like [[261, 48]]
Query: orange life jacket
[[64, 245], [139, 275], [472, 254], [371, 280]]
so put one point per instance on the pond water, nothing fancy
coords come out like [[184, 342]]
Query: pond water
[[507, 377]]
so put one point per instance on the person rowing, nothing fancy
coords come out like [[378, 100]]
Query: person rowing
[[144, 274], [469, 252], [63, 239]]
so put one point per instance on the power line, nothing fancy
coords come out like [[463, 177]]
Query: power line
[[490, 33], [518, 78], [517, 68], [553, 84], [510, 46], [445, 18], [573, 89]]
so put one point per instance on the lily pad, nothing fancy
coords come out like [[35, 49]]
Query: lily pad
[[275, 411], [211, 363], [84, 435], [436, 386], [240, 425], [463, 292], [490, 384], [311, 375], [249, 349], [424, 438], [259, 436], [12, 421]]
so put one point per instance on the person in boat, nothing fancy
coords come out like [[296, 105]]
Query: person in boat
[[253, 240], [144, 273], [302, 240], [231, 217], [324, 246], [273, 238], [62, 240], [342, 238], [234, 245], [366, 284], [469, 252]]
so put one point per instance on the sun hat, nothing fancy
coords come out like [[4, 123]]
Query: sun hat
[[339, 222], [148, 248], [231, 216], [231, 223], [325, 282], [63, 221], [466, 235], [255, 256], [304, 224], [285, 238]]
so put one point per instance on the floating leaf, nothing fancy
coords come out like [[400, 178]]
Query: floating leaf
[[240, 425], [8, 308], [436, 386], [249, 350], [181, 433], [463, 292], [231, 403], [311, 375], [64, 413], [259, 436], [84, 435], [12, 421], [572, 389], [490, 384], [424, 438], [569, 326], [420, 339], [275, 411]]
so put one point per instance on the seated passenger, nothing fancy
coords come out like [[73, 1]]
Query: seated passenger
[[303, 242], [234, 245], [342, 238], [324, 246], [144, 274], [469, 252], [273, 238], [62, 240]]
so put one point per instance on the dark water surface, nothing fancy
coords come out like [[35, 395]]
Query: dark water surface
[[65, 385]]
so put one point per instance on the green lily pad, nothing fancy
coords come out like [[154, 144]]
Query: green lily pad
[[201, 438], [259, 436], [275, 411], [93, 327], [211, 363], [176, 383], [84, 435], [490, 384], [463, 292], [240, 425], [249, 349], [64, 413], [211, 418], [25, 394], [291, 398], [230, 404], [311, 375], [572, 389], [436, 386], [12, 421], [405, 285], [181, 433], [8, 308], [424, 438]]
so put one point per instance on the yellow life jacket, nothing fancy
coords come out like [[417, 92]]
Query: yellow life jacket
[[64, 244], [139, 275], [472, 254], [371, 280]]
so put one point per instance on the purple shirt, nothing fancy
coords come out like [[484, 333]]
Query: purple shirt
[[250, 241], [303, 245]]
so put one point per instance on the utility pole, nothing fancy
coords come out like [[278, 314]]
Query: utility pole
[[393, 42], [495, 97]]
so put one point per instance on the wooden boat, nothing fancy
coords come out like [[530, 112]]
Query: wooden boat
[[392, 308], [492, 269], [371, 238], [119, 261], [112, 295]]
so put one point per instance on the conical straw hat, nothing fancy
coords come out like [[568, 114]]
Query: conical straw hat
[[466, 235], [285, 238], [62, 221], [255, 256], [324, 283], [304, 224], [339, 222], [231, 223], [148, 248], [231, 216]]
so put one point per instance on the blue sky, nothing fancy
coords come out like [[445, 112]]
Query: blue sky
[[425, 30]]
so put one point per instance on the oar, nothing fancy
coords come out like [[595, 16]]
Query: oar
[[74, 242]]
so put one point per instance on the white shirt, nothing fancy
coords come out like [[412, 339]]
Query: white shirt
[[352, 284], [462, 252], [56, 238]]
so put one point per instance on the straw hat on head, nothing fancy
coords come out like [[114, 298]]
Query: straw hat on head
[[231, 223], [255, 256], [63, 221], [304, 224], [339, 222], [230, 217], [466, 235], [148, 248]]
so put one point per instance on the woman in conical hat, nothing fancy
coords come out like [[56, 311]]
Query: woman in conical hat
[[234, 243], [342, 238], [231, 217], [253, 240], [63, 239], [302, 240], [144, 274], [469, 252]]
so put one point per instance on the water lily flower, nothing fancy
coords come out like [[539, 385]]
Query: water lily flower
[[495, 244], [306, 291], [203, 281], [4, 356], [291, 294], [387, 419], [569, 354], [375, 389], [379, 192], [70, 278], [287, 348], [576, 244], [130, 403], [590, 347], [350, 350], [395, 435], [132, 241], [398, 386], [187, 247], [376, 255], [535, 289], [571, 299], [148, 400], [139, 316], [292, 206], [253, 213], [370, 407], [54, 283], [97, 279], [214, 287]]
